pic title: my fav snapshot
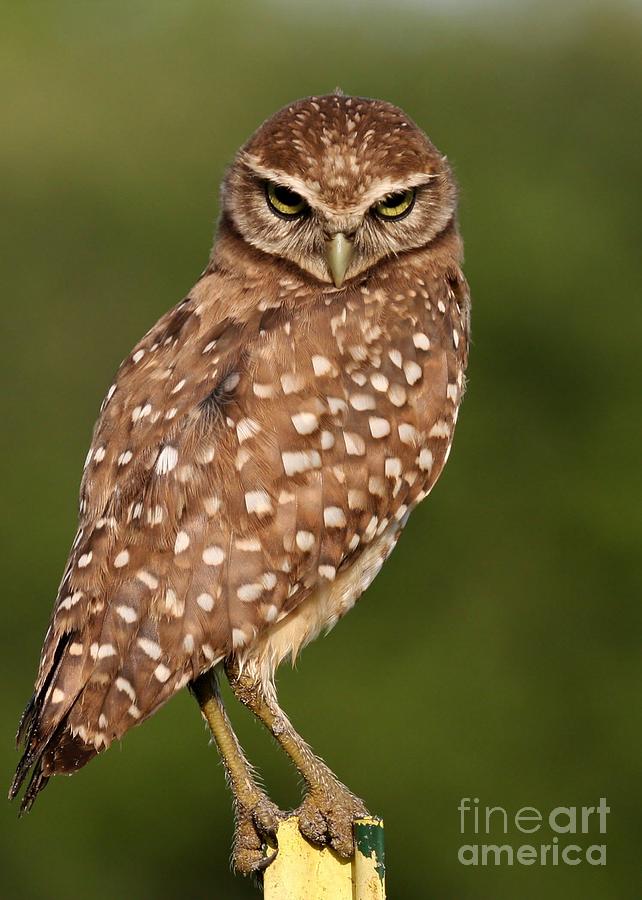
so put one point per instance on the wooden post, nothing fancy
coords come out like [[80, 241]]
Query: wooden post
[[302, 871]]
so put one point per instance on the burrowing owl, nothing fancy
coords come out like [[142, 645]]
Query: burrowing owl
[[261, 449]]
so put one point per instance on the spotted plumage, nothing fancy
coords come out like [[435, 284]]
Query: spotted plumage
[[262, 447]]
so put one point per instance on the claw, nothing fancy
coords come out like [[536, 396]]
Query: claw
[[255, 836], [326, 818]]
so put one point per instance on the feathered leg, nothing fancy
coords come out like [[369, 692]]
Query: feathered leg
[[329, 809], [256, 817]]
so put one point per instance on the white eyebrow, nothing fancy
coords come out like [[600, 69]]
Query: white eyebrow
[[309, 190]]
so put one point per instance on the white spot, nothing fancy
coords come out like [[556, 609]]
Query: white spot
[[182, 542], [305, 422], [84, 560], [397, 395], [106, 650], [407, 433], [207, 651], [205, 601], [270, 612], [134, 711], [379, 428], [167, 459], [355, 444], [174, 605], [121, 559], [328, 572], [249, 545], [412, 371], [155, 515], [162, 673], [327, 440], [171, 412], [379, 382], [124, 458], [376, 485], [75, 649], [188, 643], [392, 467], [455, 338], [401, 512], [213, 556], [125, 686], [70, 601], [205, 456], [396, 358], [334, 517], [425, 460], [127, 613], [138, 356], [212, 505], [300, 461], [440, 429], [149, 648], [258, 502], [57, 695], [147, 578], [231, 382], [263, 390], [102, 721], [337, 405], [247, 593], [179, 386], [322, 365], [421, 340], [246, 428], [99, 455], [363, 401], [370, 529], [238, 637], [304, 540], [291, 383], [441, 306]]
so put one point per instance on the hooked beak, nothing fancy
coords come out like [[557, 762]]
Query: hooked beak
[[338, 253]]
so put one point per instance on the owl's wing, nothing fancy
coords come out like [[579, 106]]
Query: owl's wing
[[239, 464]]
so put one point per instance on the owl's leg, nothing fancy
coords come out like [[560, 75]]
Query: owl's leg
[[255, 815], [329, 809]]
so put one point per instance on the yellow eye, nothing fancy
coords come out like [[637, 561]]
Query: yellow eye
[[396, 206], [284, 202]]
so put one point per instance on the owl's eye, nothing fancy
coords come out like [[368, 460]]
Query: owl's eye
[[284, 202], [396, 206]]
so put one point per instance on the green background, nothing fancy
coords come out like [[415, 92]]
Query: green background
[[497, 655]]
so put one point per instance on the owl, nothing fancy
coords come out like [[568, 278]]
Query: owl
[[260, 451]]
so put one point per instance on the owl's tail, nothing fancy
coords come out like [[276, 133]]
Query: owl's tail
[[49, 746]]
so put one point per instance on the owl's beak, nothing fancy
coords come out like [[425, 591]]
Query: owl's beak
[[338, 253]]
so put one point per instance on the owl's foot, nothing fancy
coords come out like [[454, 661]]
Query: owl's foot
[[255, 845], [326, 817]]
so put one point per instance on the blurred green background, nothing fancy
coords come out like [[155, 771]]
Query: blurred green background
[[501, 642]]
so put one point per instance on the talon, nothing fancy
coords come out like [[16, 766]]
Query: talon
[[326, 818], [254, 836], [267, 860]]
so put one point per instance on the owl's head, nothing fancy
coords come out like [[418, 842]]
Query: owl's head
[[335, 184]]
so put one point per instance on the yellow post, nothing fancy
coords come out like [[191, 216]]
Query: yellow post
[[304, 872]]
